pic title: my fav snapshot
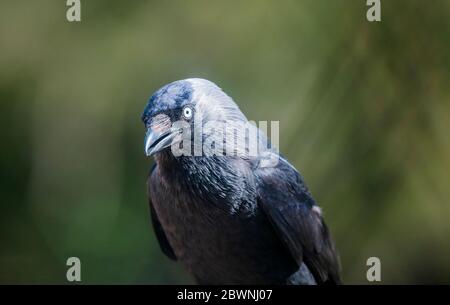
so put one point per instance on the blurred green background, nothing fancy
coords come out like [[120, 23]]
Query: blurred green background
[[363, 110]]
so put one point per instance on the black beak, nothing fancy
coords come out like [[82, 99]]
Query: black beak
[[156, 141]]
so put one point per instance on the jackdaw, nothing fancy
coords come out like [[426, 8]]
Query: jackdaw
[[229, 216]]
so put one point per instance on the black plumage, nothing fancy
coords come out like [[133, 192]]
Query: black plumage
[[229, 219]]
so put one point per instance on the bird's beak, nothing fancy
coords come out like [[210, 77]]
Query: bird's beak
[[156, 141]]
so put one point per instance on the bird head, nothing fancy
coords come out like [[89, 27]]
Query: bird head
[[182, 106]]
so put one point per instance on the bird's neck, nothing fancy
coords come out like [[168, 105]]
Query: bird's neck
[[192, 170], [215, 179]]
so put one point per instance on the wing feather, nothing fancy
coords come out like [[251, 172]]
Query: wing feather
[[297, 220]]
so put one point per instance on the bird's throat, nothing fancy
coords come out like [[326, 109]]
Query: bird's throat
[[217, 180]]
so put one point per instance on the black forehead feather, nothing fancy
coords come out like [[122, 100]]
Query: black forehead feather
[[171, 96]]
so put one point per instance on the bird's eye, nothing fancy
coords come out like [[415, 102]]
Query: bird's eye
[[187, 112]]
